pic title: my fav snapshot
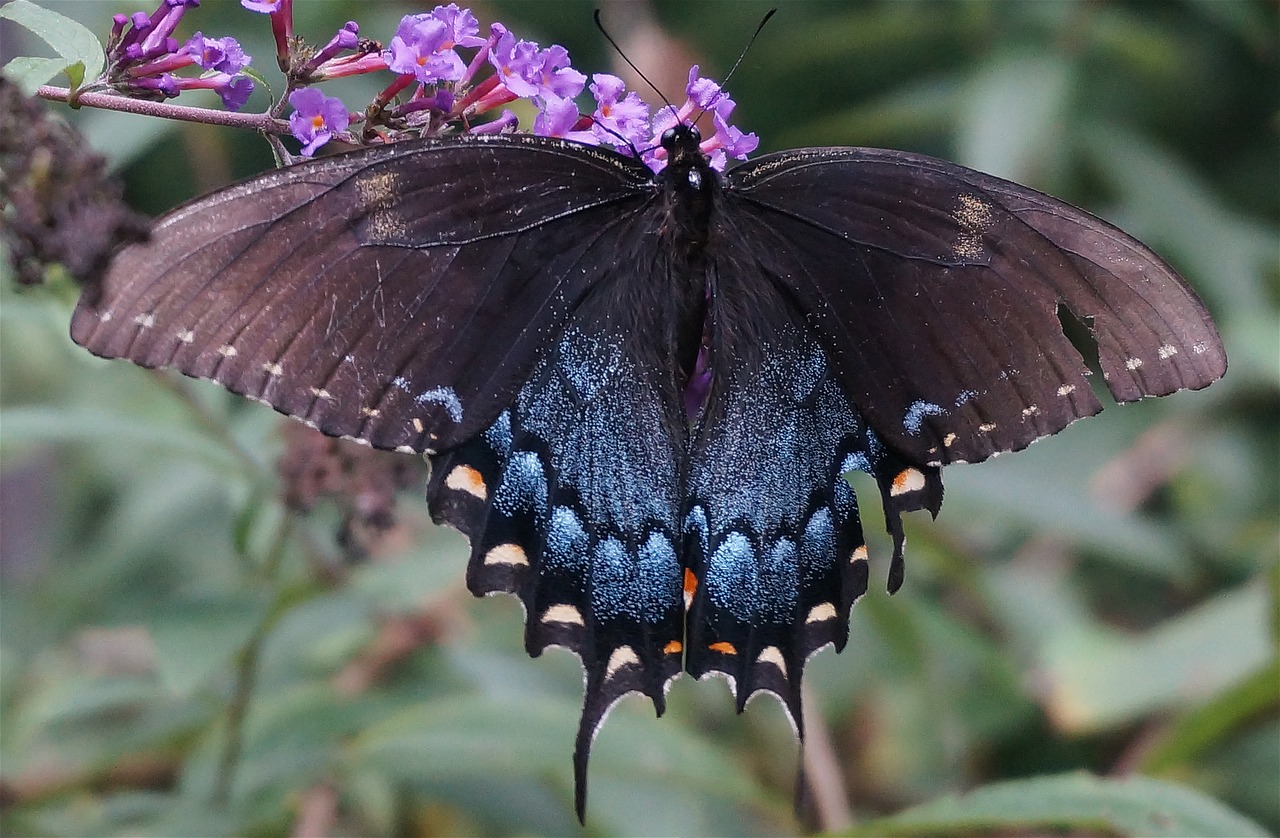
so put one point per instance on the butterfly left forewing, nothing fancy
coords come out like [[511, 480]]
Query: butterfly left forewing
[[396, 295]]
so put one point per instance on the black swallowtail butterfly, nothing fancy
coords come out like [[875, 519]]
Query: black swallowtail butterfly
[[532, 314]]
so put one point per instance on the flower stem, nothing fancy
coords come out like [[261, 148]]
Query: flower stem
[[109, 101]]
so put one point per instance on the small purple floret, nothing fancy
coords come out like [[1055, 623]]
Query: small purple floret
[[316, 118], [422, 46], [221, 54]]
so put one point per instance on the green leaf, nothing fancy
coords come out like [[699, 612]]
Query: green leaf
[[82, 53], [1205, 726], [25, 426], [1071, 803], [477, 738], [1098, 679], [29, 72], [197, 638]]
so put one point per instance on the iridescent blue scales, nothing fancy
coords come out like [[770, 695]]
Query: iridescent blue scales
[[743, 562], [640, 393]]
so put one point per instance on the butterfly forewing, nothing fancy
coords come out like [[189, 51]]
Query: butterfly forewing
[[937, 290], [399, 295]]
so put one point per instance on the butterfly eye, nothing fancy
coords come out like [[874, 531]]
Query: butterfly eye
[[669, 138]]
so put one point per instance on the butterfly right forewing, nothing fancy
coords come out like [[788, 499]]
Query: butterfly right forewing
[[938, 291]]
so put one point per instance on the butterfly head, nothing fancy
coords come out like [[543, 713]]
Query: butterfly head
[[682, 141]]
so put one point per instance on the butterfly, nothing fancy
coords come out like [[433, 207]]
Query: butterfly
[[639, 394]]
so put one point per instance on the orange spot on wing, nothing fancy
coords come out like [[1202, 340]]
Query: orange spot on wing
[[724, 647], [690, 584], [907, 480], [674, 647]]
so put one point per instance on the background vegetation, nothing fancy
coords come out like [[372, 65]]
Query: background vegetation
[[180, 655]]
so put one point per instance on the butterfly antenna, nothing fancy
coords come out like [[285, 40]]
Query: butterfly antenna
[[747, 48], [630, 63], [741, 56]]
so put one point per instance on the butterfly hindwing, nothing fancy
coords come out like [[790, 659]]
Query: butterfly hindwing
[[571, 502], [397, 295], [938, 292], [774, 544]]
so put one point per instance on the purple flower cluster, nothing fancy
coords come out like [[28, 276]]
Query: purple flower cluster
[[144, 57], [445, 91], [448, 78]]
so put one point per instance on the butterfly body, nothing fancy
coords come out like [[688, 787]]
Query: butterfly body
[[640, 393]]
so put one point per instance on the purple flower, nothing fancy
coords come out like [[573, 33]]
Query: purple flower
[[316, 118], [515, 62], [423, 46], [264, 6], [553, 76], [703, 93], [348, 37], [462, 27], [558, 118], [163, 22], [728, 137], [618, 122], [529, 72], [235, 92], [165, 84], [221, 54]]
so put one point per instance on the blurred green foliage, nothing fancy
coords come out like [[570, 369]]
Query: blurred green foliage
[[179, 655]]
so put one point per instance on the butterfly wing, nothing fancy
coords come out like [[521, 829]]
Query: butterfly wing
[[937, 292], [397, 295], [572, 498], [774, 547]]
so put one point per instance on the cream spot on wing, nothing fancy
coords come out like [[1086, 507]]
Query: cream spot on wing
[[320, 393], [987, 428], [1066, 389], [464, 478], [859, 554], [186, 336], [273, 369], [406, 449], [770, 654], [146, 321], [1133, 363], [948, 440], [227, 351], [508, 554], [378, 192], [622, 656], [370, 412], [821, 612], [563, 614], [1028, 412], [1200, 348], [975, 218], [417, 424], [1168, 350], [105, 316], [907, 480]]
